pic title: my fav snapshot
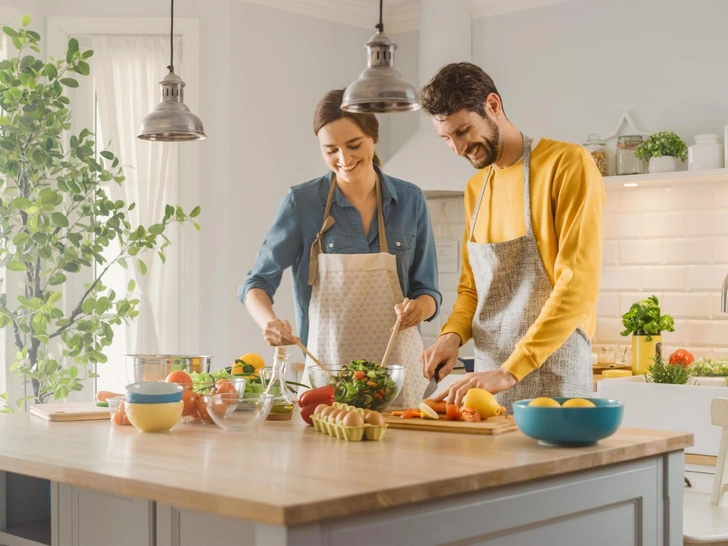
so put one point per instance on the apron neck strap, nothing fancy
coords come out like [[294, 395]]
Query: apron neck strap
[[526, 190], [318, 244]]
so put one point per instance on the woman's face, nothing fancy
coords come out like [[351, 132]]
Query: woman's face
[[347, 151]]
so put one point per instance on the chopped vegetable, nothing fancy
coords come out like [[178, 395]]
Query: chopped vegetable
[[363, 384], [709, 367]]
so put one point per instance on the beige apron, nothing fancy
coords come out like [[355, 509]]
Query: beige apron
[[512, 287], [352, 308]]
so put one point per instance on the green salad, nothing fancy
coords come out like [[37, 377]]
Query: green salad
[[364, 384], [709, 367], [203, 382]]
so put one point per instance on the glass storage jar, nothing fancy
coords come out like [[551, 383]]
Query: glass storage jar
[[598, 150], [627, 162], [706, 153]]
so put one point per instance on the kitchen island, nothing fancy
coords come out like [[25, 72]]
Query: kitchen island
[[288, 485]]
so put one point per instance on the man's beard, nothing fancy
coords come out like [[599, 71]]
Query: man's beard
[[491, 145]]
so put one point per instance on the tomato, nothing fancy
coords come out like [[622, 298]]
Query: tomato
[[189, 399], [180, 377], [306, 413], [470, 415], [359, 375], [681, 357], [321, 395], [202, 409]]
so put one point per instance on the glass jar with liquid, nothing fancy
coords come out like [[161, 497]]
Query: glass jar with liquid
[[627, 161], [282, 409]]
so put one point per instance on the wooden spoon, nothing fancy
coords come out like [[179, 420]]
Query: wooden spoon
[[316, 360], [395, 331]]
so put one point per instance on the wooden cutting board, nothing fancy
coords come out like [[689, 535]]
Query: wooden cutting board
[[494, 425], [80, 411]]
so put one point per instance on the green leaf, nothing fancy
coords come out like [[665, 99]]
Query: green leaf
[[156, 229], [55, 297], [50, 71], [106, 154], [25, 21], [83, 68], [59, 219], [73, 371], [26, 61], [162, 257], [10, 32], [195, 212], [89, 305], [72, 267], [131, 286], [142, 267], [69, 82], [73, 45], [14, 265]]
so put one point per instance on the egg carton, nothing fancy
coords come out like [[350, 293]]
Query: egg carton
[[350, 434]]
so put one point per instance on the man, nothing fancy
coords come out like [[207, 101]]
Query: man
[[532, 250]]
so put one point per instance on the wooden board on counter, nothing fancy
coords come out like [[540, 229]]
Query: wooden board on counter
[[492, 426], [81, 411]]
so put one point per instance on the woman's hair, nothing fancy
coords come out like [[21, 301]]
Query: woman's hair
[[329, 109], [455, 87]]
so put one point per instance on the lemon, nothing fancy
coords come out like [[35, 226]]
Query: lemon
[[578, 403], [255, 360], [426, 412], [544, 402], [481, 401]]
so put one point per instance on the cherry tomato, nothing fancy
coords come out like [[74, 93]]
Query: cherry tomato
[[189, 399], [321, 395], [470, 415], [681, 357]]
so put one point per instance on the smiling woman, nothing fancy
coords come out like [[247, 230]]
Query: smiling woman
[[358, 241]]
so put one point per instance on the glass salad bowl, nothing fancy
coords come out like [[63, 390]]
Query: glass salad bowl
[[238, 411], [361, 383]]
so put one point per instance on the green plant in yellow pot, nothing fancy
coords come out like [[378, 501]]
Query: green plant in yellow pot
[[646, 324]]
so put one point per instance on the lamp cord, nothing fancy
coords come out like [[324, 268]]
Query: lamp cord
[[380, 26], [171, 41]]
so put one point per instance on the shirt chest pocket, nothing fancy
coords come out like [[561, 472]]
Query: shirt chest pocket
[[337, 243], [400, 242]]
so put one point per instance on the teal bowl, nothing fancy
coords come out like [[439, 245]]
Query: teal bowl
[[153, 392], [569, 426]]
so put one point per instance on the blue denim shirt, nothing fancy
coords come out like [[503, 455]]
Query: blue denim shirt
[[299, 219]]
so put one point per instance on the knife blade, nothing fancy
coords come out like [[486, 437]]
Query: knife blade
[[432, 385]]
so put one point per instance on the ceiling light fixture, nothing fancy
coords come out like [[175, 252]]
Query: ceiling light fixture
[[171, 120]]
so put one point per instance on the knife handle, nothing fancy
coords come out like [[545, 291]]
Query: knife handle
[[440, 366]]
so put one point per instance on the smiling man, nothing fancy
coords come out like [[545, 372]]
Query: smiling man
[[532, 250]]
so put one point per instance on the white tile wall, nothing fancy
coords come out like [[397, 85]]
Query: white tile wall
[[670, 242]]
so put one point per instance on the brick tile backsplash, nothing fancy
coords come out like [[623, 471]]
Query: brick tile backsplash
[[641, 252], [688, 251], [688, 198], [641, 200], [663, 224]]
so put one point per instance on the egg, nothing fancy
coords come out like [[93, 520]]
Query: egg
[[325, 412], [320, 408], [332, 416], [341, 415], [374, 418], [353, 419]]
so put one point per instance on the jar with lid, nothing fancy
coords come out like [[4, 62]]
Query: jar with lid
[[627, 162], [706, 153], [598, 150]]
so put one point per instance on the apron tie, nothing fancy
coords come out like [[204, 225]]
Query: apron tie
[[317, 248]]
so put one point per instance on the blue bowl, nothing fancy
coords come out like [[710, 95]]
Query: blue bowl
[[569, 426], [153, 392]]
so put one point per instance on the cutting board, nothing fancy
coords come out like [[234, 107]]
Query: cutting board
[[80, 411], [494, 425]]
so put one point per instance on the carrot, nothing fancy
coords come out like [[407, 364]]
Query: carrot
[[410, 413], [502, 410], [397, 413], [103, 396], [452, 412], [439, 407]]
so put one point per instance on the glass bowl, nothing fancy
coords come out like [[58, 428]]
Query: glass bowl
[[149, 367], [238, 412], [375, 391]]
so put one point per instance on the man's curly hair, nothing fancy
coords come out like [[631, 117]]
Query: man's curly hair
[[455, 87]]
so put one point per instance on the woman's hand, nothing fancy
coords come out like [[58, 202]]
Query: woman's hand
[[493, 381], [409, 313], [278, 332]]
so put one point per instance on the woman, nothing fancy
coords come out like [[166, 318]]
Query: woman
[[357, 241]]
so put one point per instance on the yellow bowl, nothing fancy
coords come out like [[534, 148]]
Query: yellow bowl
[[154, 417]]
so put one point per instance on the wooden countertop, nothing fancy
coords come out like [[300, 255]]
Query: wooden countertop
[[289, 474]]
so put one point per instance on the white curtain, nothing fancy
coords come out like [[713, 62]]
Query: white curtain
[[126, 71]]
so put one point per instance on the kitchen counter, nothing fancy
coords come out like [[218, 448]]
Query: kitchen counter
[[290, 476]]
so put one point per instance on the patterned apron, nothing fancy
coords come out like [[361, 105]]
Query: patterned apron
[[352, 308], [512, 287]]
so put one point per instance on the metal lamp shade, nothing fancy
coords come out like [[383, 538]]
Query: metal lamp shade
[[171, 120], [380, 88]]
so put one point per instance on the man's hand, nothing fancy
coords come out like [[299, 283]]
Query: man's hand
[[444, 350], [494, 381], [410, 314], [278, 332]]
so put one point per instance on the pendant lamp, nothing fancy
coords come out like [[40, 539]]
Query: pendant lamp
[[171, 120], [380, 88]]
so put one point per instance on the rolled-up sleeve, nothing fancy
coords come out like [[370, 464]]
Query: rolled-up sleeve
[[423, 276], [282, 247]]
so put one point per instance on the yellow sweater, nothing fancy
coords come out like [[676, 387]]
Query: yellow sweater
[[567, 198]]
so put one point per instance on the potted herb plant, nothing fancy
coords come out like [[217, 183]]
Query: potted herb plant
[[662, 150], [57, 221], [646, 323]]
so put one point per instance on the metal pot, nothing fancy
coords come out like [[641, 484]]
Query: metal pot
[[158, 367]]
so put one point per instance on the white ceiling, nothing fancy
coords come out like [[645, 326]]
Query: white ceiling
[[399, 15]]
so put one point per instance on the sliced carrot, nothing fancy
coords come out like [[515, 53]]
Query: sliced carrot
[[410, 413], [452, 413]]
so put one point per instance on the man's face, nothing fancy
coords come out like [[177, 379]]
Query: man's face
[[470, 135]]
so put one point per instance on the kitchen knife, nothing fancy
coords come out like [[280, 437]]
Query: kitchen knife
[[432, 385]]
